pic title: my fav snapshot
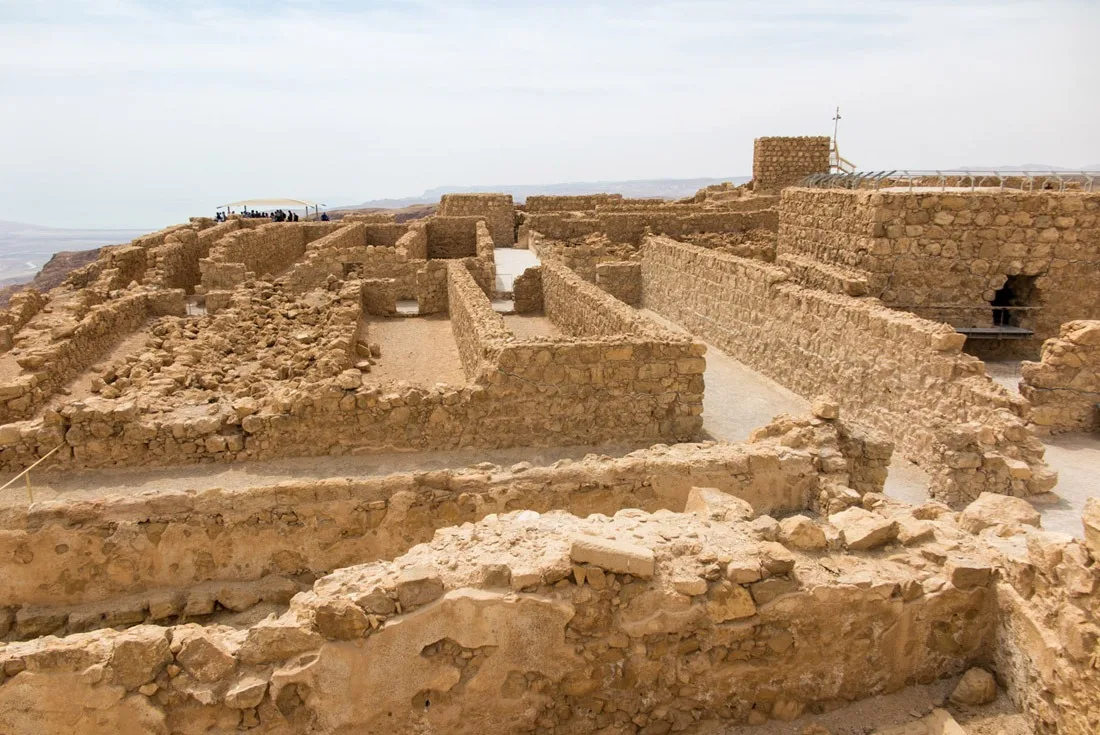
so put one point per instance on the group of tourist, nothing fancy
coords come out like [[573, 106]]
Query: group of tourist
[[277, 216]]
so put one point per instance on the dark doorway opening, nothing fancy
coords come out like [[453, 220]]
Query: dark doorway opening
[[1017, 291]]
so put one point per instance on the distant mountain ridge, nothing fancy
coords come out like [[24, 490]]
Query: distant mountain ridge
[[636, 188]]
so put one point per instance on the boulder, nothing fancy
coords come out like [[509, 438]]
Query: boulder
[[976, 687], [340, 620], [801, 533], [993, 509], [861, 530], [728, 601]]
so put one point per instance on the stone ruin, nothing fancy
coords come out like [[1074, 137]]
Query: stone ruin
[[670, 580]]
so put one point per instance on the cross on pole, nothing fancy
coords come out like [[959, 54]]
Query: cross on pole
[[836, 124]]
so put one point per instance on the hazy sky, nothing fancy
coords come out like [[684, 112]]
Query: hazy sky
[[124, 113]]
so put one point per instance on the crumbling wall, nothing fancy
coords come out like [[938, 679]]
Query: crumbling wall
[[623, 280], [900, 374], [22, 307], [581, 309], [497, 210], [479, 331], [1063, 388], [524, 621], [580, 203], [452, 237], [527, 291], [582, 257], [159, 537], [268, 249], [944, 255], [53, 364], [780, 162]]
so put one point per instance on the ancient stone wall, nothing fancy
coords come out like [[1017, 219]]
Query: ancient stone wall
[[175, 263], [582, 257], [268, 249], [623, 280], [363, 250], [479, 331], [944, 255], [22, 307], [1064, 386], [452, 237], [581, 309], [497, 209], [528, 620], [527, 291], [780, 162], [415, 241], [580, 203], [900, 374], [560, 225], [50, 366]]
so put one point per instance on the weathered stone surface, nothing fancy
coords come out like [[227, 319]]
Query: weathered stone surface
[[965, 573], [340, 620], [716, 505], [204, 656], [418, 586], [800, 532], [1091, 521], [728, 601], [991, 509], [861, 530], [614, 556], [246, 693], [976, 687]]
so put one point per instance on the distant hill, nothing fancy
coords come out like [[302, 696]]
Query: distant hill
[[639, 188], [1036, 167], [25, 248]]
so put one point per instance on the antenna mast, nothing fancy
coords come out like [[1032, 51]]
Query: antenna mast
[[836, 163]]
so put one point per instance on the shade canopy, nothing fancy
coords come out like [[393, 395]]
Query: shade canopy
[[276, 202]]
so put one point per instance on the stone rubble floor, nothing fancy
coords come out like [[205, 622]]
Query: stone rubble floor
[[885, 712]]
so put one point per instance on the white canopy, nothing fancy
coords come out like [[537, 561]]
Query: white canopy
[[276, 202]]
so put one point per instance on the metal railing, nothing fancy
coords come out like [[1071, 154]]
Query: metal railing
[[958, 179], [27, 474]]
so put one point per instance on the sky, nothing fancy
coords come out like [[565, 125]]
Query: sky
[[133, 113]]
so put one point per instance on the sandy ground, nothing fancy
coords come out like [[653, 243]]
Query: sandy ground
[[418, 350], [512, 262], [529, 326]]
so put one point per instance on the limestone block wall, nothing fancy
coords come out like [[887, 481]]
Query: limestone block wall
[[1063, 388], [508, 637], [497, 209], [48, 368], [159, 537], [781, 162], [452, 237], [175, 263], [360, 249], [902, 375], [623, 280], [581, 203], [630, 226], [561, 225], [943, 255], [479, 331], [583, 257], [415, 241], [370, 217], [527, 291], [22, 307], [581, 309], [268, 249]]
